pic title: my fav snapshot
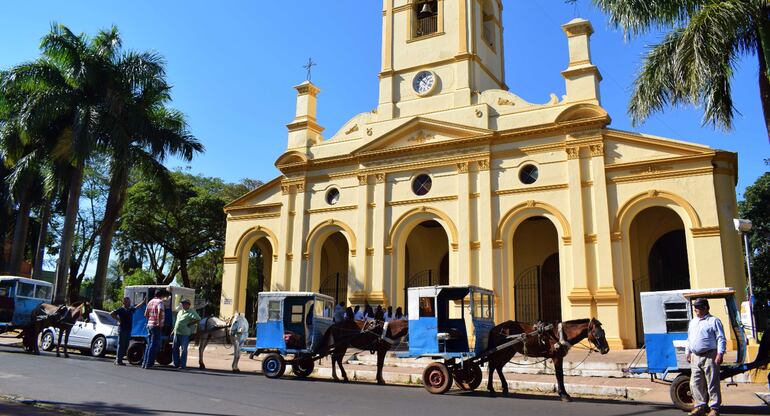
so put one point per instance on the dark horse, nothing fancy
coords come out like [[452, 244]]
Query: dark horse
[[60, 317], [362, 335], [553, 344]]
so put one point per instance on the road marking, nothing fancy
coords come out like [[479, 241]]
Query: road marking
[[7, 376]]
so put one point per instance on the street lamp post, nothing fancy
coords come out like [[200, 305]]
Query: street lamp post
[[743, 227]]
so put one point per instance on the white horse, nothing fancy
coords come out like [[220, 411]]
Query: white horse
[[233, 331]]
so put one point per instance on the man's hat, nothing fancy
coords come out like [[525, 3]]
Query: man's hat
[[187, 301], [701, 302]]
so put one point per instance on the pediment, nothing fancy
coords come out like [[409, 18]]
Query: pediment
[[421, 131], [624, 147]]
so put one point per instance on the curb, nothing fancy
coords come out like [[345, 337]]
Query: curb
[[531, 387]]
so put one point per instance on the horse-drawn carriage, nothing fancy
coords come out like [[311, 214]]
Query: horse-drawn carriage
[[665, 319], [291, 324], [139, 333], [19, 298]]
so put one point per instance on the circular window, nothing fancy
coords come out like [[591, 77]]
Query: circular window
[[528, 174], [421, 185], [333, 196]]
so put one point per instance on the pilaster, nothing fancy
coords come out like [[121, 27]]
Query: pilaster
[[486, 260], [579, 295], [379, 241], [363, 280], [465, 272], [294, 258]]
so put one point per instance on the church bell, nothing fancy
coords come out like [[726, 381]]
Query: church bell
[[425, 12]]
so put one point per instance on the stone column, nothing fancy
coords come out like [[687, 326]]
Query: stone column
[[380, 270], [295, 259], [464, 273], [363, 279], [485, 229]]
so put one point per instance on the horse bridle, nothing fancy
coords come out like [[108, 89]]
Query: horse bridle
[[594, 336]]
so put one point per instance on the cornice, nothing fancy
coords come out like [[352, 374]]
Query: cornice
[[531, 189], [331, 209], [254, 216], [235, 209], [668, 174], [422, 200], [706, 232], [645, 163]]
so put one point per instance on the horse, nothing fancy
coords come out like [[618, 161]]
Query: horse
[[373, 336], [60, 317], [553, 344], [213, 329]]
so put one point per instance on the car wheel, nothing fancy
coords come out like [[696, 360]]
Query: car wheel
[[46, 341], [99, 346]]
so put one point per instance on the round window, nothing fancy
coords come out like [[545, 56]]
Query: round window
[[333, 196], [528, 174], [421, 185]]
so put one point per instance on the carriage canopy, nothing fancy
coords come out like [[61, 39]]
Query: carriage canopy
[[19, 296]]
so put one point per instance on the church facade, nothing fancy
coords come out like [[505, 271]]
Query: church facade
[[453, 179]]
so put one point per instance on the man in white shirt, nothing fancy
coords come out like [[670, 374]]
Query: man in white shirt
[[706, 345]]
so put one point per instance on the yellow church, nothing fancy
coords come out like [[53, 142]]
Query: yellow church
[[453, 179]]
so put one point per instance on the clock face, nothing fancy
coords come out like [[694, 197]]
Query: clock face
[[424, 82]]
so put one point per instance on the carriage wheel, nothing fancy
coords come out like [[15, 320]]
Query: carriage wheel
[[135, 353], [164, 356], [273, 365], [303, 367], [436, 378], [681, 394], [469, 377]]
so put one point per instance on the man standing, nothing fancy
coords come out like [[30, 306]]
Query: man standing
[[125, 317], [339, 313], [155, 315], [186, 320], [706, 345]]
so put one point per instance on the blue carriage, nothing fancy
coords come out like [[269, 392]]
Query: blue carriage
[[19, 297], [451, 324], [665, 319], [290, 327], [139, 333]]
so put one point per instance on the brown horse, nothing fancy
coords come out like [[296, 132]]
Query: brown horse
[[60, 317], [553, 344], [362, 335]]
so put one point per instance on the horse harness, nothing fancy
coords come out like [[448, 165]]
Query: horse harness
[[561, 345]]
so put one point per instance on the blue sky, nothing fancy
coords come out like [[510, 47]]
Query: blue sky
[[233, 65]]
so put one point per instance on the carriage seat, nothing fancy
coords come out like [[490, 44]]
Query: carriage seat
[[6, 309], [293, 340]]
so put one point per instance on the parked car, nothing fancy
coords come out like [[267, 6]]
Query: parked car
[[96, 336]]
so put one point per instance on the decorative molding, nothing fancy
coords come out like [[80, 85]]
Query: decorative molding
[[479, 113], [352, 252], [580, 295], [505, 101], [352, 129], [300, 187], [388, 250], [573, 152], [371, 205], [531, 189], [257, 207], [380, 177], [616, 236], [661, 175], [651, 168], [706, 232], [586, 184], [331, 209], [483, 164], [596, 149], [369, 251], [255, 216], [230, 259], [369, 131], [363, 179], [497, 243], [422, 200], [591, 238], [289, 256], [474, 195], [606, 296], [306, 255], [285, 189], [462, 167], [292, 213], [475, 245], [567, 241], [421, 137], [454, 246]]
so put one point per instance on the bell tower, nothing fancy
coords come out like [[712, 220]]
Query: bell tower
[[438, 54]]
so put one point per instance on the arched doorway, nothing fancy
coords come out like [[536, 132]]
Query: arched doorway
[[427, 254], [659, 258], [334, 267], [257, 281], [537, 282]]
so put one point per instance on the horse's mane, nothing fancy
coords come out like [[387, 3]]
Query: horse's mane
[[578, 321]]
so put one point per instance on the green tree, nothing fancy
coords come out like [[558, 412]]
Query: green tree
[[142, 133], [66, 92], [696, 60], [184, 223], [756, 207]]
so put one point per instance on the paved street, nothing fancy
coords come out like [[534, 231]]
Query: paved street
[[96, 386]]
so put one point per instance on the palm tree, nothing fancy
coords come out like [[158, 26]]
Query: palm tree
[[65, 93], [141, 132], [696, 60]]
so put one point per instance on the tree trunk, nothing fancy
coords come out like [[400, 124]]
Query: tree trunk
[[68, 232], [21, 229], [183, 272], [73, 284], [763, 52], [114, 206], [42, 237]]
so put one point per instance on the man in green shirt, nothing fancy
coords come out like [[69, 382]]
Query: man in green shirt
[[186, 321]]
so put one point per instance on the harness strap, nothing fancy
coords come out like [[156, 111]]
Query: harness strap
[[563, 343]]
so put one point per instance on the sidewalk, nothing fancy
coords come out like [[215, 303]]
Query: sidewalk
[[12, 406], [409, 373]]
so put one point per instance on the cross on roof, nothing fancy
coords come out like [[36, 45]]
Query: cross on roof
[[309, 66]]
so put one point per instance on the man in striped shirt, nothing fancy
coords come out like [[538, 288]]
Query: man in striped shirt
[[155, 318]]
